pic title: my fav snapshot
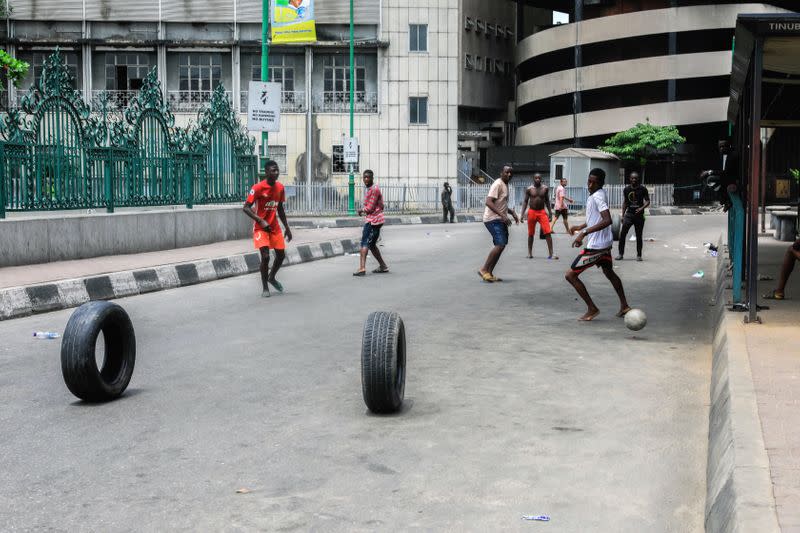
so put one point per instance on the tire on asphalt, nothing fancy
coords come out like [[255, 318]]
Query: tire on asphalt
[[383, 362], [78, 364], [616, 224]]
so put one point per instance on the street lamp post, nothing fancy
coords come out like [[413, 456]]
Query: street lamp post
[[351, 182], [264, 68]]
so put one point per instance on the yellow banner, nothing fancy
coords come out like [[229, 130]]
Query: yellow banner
[[293, 21]]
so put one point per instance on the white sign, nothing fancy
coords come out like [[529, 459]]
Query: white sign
[[351, 150], [264, 106]]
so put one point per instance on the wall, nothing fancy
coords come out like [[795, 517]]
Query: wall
[[61, 238]]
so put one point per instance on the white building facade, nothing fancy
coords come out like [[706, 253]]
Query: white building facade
[[407, 73]]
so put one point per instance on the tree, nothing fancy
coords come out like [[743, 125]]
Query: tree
[[643, 142], [12, 68]]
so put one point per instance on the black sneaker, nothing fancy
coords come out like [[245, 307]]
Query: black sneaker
[[639, 259]]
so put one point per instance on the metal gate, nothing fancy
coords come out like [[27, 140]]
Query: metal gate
[[56, 154]]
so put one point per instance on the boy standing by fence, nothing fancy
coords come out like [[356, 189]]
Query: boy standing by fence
[[373, 222]]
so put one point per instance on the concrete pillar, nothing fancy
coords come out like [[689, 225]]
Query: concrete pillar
[[577, 105]]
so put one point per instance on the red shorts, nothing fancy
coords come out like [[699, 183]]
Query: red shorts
[[539, 216], [272, 239]]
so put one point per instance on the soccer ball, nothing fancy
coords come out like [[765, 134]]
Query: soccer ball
[[635, 319]]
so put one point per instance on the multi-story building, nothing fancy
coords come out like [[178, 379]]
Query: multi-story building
[[487, 39], [621, 62], [410, 82]]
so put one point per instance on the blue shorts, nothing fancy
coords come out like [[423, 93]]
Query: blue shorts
[[499, 231], [369, 237]]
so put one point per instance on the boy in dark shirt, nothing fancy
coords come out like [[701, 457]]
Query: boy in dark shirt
[[636, 200]]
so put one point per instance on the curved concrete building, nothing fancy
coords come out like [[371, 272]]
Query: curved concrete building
[[618, 63]]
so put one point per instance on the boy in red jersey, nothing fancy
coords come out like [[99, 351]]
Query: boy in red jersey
[[268, 197]]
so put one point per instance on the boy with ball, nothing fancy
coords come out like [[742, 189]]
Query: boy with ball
[[599, 240]]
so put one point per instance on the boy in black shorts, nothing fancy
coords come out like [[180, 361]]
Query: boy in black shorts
[[598, 247]]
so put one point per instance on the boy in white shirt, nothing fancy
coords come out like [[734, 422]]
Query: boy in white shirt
[[599, 240]]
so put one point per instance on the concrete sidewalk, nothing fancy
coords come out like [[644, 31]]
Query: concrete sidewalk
[[754, 426]]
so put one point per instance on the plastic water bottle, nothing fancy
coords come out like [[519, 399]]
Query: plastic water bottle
[[46, 335]]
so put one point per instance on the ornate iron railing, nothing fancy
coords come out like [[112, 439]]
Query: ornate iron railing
[[116, 100], [188, 101], [339, 102], [57, 152], [291, 101]]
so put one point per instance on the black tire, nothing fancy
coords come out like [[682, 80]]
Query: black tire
[[78, 365], [383, 362], [616, 225]]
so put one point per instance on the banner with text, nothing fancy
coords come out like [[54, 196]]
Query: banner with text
[[293, 21]]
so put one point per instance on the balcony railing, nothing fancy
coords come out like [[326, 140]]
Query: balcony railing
[[115, 100], [187, 101], [291, 101], [339, 102], [7, 101]]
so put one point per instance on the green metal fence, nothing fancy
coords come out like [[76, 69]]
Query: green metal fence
[[56, 154]]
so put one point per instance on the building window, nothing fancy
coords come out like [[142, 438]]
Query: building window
[[499, 67], [490, 65], [418, 109], [70, 60], [478, 63], [469, 24], [501, 31], [480, 27], [469, 62], [336, 84], [281, 70], [418, 38], [339, 166], [278, 154], [509, 33], [199, 72], [559, 172], [126, 72], [490, 30]]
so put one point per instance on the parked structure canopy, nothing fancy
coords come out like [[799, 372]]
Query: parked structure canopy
[[765, 94]]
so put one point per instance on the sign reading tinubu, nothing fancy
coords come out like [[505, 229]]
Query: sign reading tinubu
[[293, 21]]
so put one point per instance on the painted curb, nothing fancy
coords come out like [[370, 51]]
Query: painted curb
[[16, 302], [739, 495]]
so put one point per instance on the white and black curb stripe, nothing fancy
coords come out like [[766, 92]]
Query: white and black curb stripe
[[24, 301], [17, 302]]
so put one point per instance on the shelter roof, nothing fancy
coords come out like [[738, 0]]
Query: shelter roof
[[781, 77], [590, 153]]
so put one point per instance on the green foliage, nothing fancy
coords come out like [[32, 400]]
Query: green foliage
[[795, 172], [643, 141], [13, 68]]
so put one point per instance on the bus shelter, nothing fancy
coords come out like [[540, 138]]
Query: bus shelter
[[765, 100]]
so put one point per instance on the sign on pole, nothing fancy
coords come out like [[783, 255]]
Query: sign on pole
[[351, 150], [264, 106]]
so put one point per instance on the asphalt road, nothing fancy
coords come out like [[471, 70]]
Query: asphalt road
[[512, 407]]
